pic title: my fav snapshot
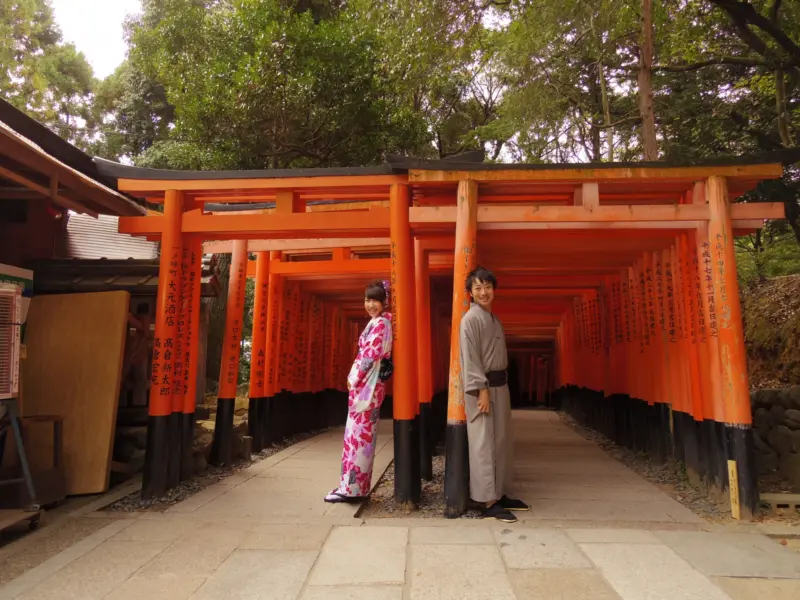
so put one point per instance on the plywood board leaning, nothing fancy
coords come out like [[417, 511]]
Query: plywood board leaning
[[76, 344]]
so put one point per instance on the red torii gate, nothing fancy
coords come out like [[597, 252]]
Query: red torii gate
[[595, 259]]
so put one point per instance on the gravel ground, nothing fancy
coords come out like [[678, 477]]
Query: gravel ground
[[381, 502], [134, 502], [21, 551], [671, 479]]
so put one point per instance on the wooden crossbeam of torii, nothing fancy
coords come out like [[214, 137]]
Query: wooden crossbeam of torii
[[336, 267], [375, 222]]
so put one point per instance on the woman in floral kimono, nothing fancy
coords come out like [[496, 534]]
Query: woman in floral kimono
[[366, 392]]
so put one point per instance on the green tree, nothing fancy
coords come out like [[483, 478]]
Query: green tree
[[41, 75], [133, 113]]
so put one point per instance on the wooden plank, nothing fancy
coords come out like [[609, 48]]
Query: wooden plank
[[45, 191], [766, 171], [75, 346], [757, 210]]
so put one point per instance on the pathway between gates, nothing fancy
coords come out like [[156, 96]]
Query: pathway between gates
[[597, 531]]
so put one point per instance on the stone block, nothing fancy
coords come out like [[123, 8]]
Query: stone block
[[767, 463], [761, 445], [792, 418], [761, 422], [792, 396], [776, 415], [790, 468], [764, 398], [781, 440]]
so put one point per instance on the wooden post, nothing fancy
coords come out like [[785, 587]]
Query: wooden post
[[714, 424], [406, 389], [258, 352], [154, 478], [177, 351], [424, 364], [193, 261], [456, 481], [272, 351], [222, 445], [733, 361]]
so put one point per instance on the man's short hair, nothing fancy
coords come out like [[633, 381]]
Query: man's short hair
[[482, 275]]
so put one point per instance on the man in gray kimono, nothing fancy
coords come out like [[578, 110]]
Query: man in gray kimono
[[484, 364]]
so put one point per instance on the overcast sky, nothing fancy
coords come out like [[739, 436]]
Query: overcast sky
[[95, 27]]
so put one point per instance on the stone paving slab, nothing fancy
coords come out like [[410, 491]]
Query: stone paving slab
[[734, 554], [51, 566], [526, 548], [280, 536], [451, 535], [96, 573], [458, 572], [266, 533], [358, 592], [759, 589], [355, 555], [650, 572], [612, 536], [561, 584], [600, 510], [196, 555], [160, 587], [258, 574]]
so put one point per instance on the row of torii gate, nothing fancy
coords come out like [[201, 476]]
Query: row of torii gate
[[617, 284]]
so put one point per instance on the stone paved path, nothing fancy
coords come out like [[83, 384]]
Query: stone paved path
[[596, 532]]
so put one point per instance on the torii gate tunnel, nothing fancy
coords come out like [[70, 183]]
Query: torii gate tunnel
[[617, 290]]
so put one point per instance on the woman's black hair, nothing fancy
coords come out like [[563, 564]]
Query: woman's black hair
[[376, 291], [482, 275]]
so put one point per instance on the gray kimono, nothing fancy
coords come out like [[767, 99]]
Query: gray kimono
[[483, 349]]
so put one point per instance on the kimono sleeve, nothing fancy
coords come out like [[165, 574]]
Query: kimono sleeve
[[371, 353], [472, 371]]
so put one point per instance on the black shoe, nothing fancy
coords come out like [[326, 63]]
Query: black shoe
[[495, 511], [512, 504]]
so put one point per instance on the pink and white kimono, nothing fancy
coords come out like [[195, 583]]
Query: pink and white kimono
[[363, 408]]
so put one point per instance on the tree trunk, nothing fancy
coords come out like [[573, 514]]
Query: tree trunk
[[606, 112], [782, 110], [793, 215], [216, 322], [595, 94], [646, 110]]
